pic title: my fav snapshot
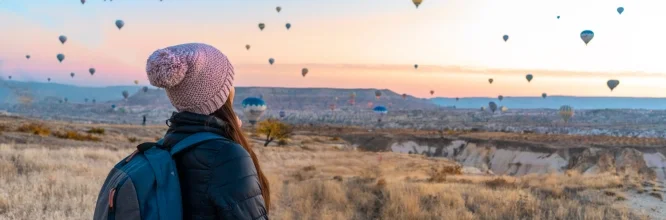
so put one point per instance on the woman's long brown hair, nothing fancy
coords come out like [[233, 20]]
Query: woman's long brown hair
[[227, 114]]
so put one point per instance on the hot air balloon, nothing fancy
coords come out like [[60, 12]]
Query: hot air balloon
[[380, 111], [48, 79], [247, 46], [504, 109], [288, 25], [352, 98], [566, 112], [490, 80], [304, 71], [271, 61], [85, 100], [612, 84], [378, 94], [120, 24], [544, 95], [417, 2], [66, 100], [72, 75], [261, 26], [620, 10], [91, 71], [500, 97], [558, 17], [145, 89], [60, 101], [10, 77], [505, 37], [136, 82], [62, 39], [113, 106], [432, 92], [83, 2], [60, 57], [587, 36], [529, 77], [278, 9], [282, 114], [253, 109], [404, 96], [27, 57], [416, 66], [93, 101], [483, 108], [125, 94], [457, 99], [492, 106]]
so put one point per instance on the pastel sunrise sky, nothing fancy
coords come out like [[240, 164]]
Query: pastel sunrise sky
[[353, 43]]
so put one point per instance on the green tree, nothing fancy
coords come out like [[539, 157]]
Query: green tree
[[274, 129]]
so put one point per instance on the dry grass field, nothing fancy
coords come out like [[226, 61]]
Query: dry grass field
[[53, 170]]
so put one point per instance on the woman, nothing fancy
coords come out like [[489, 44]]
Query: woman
[[220, 179]]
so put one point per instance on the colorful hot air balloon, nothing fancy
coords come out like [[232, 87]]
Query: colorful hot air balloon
[[529, 77], [587, 36], [247, 46], [27, 57], [288, 25], [503, 108], [492, 106], [60, 57], [282, 114], [380, 111], [120, 24], [271, 61], [404, 96], [136, 82], [72, 75], [91, 71], [505, 37], [490, 80], [612, 84], [500, 97], [261, 26], [145, 89], [125, 94], [62, 39], [566, 112], [417, 2], [253, 109], [378, 94], [620, 10], [544, 95], [416, 66], [304, 71], [278, 9]]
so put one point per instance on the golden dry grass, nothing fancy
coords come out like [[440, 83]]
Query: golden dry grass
[[312, 178]]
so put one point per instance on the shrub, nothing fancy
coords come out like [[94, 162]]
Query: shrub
[[335, 139], [35, 128], [99, 131], [274, 129], [282, 142], [439, 175], [132, 139], [499, 182], [73, 135]]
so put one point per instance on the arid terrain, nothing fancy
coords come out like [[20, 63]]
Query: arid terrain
[[53, 170]]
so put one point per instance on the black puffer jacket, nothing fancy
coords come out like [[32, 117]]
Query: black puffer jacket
[[218, 179]]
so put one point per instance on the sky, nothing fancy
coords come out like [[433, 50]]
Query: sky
[[353, 44]]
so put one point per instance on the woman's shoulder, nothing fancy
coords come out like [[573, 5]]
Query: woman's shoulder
[[224, 149]]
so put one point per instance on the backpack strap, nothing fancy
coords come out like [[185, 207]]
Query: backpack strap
[[193, 140]]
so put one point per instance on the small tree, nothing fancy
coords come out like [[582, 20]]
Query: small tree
[[274, 129]]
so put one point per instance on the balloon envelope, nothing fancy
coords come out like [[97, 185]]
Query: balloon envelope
[[586, 36], [247, 46], [612, 84], [253, 108], [620, 10], [271, 61], [27, 57], [304, 71], [417, 2], [492, 106], [529, 77], [91, 71], [62, 39], [72, 75], [490, 81], [505, 37], [566, 112], [261, 26], [288, 25], [60, 57], [544, 95], [120, 24], [278, 9]]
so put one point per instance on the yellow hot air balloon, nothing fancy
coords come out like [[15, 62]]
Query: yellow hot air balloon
[[136, 82], [417, 2], [566, 112]]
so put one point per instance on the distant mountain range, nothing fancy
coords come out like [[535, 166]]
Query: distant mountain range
[[11, 92]]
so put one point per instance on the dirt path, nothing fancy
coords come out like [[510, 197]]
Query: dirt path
[[647, 204]]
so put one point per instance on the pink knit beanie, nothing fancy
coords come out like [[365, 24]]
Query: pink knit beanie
[[197, 77]]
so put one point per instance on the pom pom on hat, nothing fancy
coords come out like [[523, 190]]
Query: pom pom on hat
[[165, 68]]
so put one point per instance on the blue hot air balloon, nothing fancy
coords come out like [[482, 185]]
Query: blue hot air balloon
[[60, 57], [381, 111], [271, 61], [113, 106], [282, 114], [505, 37], [558, 17], [620, 10], [253, 108], [492, 106], [288, 25], [587, 36], [120, 24]]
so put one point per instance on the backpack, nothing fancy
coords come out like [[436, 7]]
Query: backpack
[[145, 184]]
